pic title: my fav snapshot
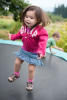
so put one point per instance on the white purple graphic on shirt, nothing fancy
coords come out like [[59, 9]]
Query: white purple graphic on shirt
[[28, 31]]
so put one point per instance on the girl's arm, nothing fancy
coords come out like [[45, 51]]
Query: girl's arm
[[58, 48], [15, 36], [50, 49], [43, 37]]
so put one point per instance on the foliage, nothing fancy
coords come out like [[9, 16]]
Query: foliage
[[61, 10], [15, 6], [55, 18], [6, 24], [15, 28]]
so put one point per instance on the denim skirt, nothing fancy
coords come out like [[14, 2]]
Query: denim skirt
[[29, 57]]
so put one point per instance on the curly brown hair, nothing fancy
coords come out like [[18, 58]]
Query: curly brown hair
[[41, 16]]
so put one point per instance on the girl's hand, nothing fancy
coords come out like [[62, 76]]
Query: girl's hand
[[53, 52], [61, 49], [40, 56], [9, 35]]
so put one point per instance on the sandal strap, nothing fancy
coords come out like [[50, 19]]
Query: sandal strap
[[13, 76]]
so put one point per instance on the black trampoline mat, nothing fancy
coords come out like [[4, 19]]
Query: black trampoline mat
[[50, 82]]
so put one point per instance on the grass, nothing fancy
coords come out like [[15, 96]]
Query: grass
[[6, 24]]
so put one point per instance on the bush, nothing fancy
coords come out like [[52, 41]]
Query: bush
[[15, 27], [65, 47], [6, 24], [55, 18]]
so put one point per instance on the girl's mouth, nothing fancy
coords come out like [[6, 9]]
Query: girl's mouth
[[27, 22]]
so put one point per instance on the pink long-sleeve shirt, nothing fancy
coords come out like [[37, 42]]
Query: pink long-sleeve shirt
[[34, 40]]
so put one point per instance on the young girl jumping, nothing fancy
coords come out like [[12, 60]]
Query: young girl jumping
[[34, 38]]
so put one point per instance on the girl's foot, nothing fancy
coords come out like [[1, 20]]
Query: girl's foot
[[13, 77], [29, 86]]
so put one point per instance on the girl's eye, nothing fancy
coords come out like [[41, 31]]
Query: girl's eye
[[31, 17], [26, 16]]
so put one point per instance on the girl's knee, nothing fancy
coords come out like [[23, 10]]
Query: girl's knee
[[18, 61], [31, 68]]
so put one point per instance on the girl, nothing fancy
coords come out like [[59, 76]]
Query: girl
[[34, 38]]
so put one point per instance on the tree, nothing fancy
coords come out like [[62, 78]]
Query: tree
[[61, 10], [15, 6]]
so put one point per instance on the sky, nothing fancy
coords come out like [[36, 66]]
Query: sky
[[48, 5]]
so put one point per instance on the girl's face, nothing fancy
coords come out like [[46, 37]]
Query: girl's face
[[57, 38], [30, 19]]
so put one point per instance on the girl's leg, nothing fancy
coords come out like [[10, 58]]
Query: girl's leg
[[17, 67], [31, 72]]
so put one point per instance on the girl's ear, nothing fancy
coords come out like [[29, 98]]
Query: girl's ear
[[38, 21]]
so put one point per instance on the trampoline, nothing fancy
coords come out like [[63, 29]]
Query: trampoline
[[50, 82]]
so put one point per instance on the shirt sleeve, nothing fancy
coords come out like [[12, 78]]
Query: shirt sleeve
[[53, 43], [43, 37], [16, 36]]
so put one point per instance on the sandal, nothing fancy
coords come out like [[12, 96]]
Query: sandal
[[29, 86], [13, 77]]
